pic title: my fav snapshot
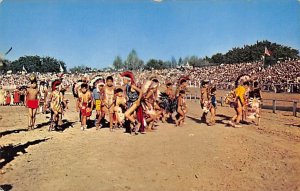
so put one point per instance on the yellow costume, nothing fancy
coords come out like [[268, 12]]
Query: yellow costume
[[240, 93]]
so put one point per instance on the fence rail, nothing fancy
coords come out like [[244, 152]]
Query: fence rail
[[274, 106]]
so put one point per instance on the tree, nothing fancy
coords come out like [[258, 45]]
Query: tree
[[36, 64], [252, 53], [80, 69], [155, 64], [173, 62], [118, 64], [180, 62], [133, 61], [218, 58]]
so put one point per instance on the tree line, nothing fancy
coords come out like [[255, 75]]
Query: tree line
[[252, 53], [34, 64], [247, 53]]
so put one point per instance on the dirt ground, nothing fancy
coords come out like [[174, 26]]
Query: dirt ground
[[189, 158]]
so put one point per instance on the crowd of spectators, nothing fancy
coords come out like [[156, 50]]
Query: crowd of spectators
[[281, 77]]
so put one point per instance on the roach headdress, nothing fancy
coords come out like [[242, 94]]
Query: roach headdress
[[128, 75]]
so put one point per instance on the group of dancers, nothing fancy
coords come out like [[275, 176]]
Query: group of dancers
[[134, 106], [246, 99]]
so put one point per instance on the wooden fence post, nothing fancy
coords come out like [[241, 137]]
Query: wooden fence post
[[295, 108], [221, 101], [274, 106]]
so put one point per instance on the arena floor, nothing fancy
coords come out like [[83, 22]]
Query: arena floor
[[193, 157]]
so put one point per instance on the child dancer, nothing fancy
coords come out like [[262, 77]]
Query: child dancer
[[181, 108], [204, 100], [85, 105], [32, 102], [56, 99], [213, 106], [109, 100], [98, 96], [120, 107]]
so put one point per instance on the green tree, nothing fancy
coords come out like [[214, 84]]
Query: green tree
[[251, 53], [133, 61], [80, 69], [118, 64], [155, 64], [36, 64], [173, 62], [218, 58]]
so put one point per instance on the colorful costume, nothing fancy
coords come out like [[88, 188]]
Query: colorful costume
[[8, 99], [56, 102], [98, 97], [240, 93], [253, 109], [85, 110]]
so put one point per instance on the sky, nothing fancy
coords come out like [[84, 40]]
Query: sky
[[94, 32]]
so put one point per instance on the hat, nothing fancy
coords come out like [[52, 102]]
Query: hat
[[129, 75], [101, 82], [184, 78], [55, 83], [152, 78], [206, 81]]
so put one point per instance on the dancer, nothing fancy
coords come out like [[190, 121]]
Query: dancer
[[120, 108], [98, 96], [167, 102], [255, 99], [109, 100], [151, 108], [212, 107], [56, 103], [85, 105], [181, 108], [240, 100], [134, 96], [44, 94], [32, 94], [204, 100]]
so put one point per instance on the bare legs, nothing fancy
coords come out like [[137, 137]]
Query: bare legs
[[129, 116], [31, 118]]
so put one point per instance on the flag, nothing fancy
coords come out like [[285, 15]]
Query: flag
[[8, 51], [267, 52], [61, 68], [24, 70]]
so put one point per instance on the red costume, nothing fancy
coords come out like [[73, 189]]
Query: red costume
[[33, 104], [16, 96], [85, 110], [8, 99]]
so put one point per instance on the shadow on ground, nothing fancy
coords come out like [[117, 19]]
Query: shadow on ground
[[10, 152], [5, 187], [11, 132]]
